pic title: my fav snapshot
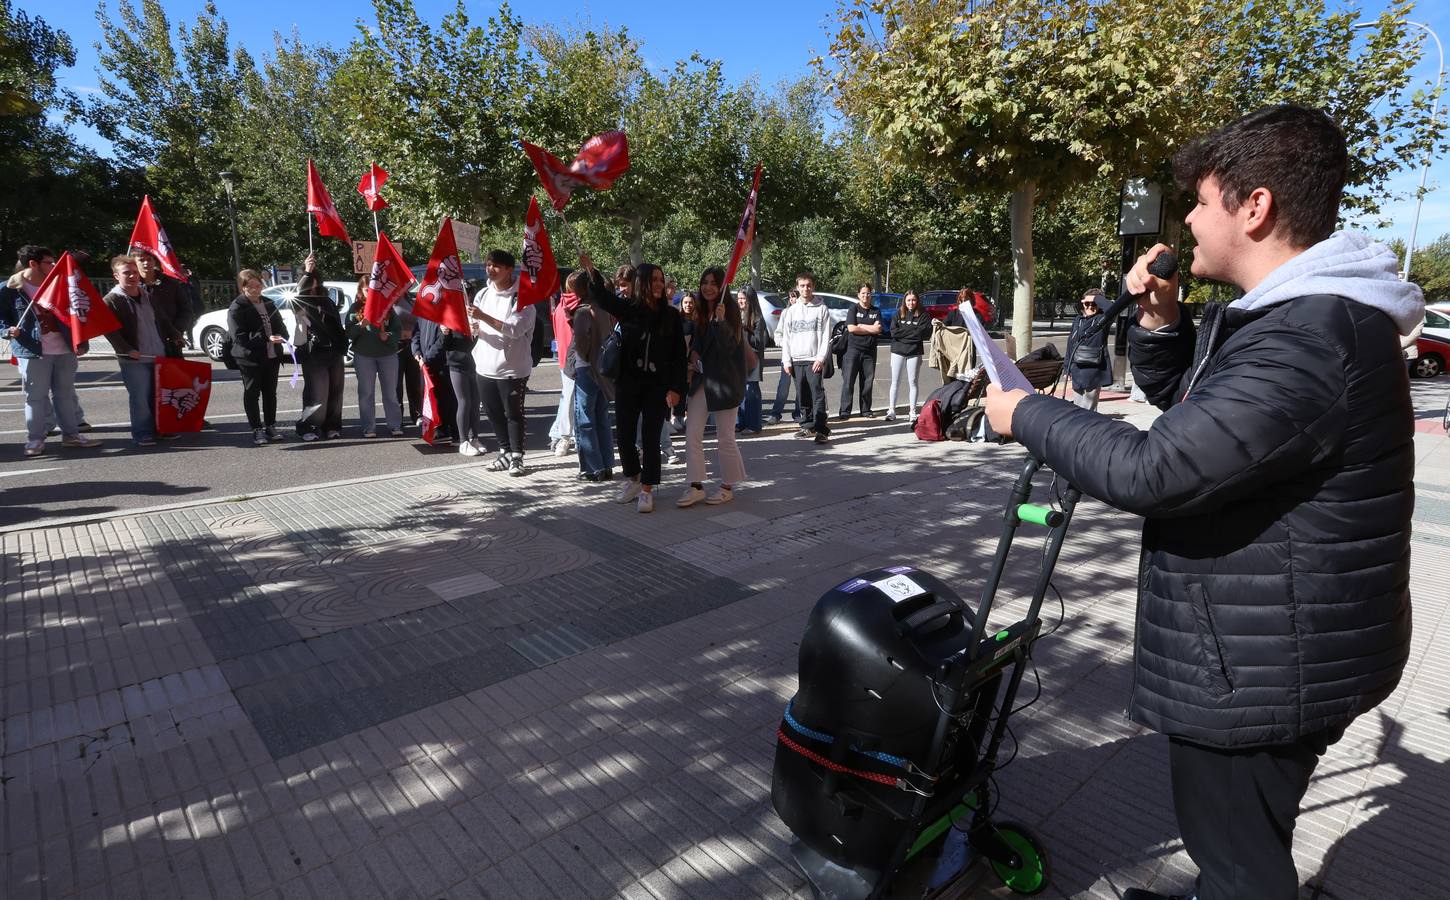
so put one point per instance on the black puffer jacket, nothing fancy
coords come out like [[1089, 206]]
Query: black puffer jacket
[[1274, 579], [653, 340]]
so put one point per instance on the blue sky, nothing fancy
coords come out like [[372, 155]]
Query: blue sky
[[768, 40]]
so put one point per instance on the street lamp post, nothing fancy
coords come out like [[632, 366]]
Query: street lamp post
[[1424, 170], [227, 179]]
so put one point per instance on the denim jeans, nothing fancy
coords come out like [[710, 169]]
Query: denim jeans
[[140, 378], [782, 391], [563, 426], [592, 435], [370, 370], [41, 378]]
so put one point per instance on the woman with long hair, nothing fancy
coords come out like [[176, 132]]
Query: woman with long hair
[[909, 332], [749, 420], [651, 373], [321, 348], [375, 364], [718, 352]]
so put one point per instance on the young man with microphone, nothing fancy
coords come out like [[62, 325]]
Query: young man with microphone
[[1276, 490]]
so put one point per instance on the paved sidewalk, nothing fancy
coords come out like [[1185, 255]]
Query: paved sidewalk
[[458, 684]]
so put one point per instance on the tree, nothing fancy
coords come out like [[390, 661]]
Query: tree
[[1029, 97], [879, 211]]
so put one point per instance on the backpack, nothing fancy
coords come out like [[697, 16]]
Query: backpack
[[838, 338], [611, 355], [943, 406], [928, 422]]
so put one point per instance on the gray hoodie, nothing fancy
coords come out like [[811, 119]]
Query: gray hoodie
[[1346, 264]]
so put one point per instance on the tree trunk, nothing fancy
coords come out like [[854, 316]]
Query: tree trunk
[[636, 242], [1023, 269], [755, 261], [876, 266]]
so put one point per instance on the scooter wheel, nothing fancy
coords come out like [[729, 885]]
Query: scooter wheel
[[1035, 872]]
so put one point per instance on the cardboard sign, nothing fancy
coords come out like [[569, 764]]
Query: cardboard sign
[[466, 237], [362, 256]]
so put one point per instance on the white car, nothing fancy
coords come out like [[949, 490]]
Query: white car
[[210, 331], [772, 306]]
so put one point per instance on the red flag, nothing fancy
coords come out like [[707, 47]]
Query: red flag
[[601, 160], [539, 279], [388, 281], [370, 186], [183, 388], [68, 295], [148, 235], [430, 405], [319, 203], [442, 297], [745, 234]]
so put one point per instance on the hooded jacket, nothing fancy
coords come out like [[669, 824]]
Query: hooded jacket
[[1277, 492], [563, 319], [503, 352]]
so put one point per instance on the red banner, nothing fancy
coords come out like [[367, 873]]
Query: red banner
[[319, 203], [601, 160], [388, 281], [183, 388], [442, 297], [68, 295], [148, 235], [371, 185], [430, 405], [538, 274], [745, 234]]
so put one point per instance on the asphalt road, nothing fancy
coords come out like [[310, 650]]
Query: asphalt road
[[223, 462]]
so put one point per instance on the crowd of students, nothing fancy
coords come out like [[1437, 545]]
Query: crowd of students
[[621, 341]]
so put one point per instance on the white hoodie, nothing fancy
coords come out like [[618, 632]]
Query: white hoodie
[[804, 331], [506, 352], [1346, 264]]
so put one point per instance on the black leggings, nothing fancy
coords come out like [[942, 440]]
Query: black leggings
[[465, 396], [633, 401], [503, 398], [260, 381]]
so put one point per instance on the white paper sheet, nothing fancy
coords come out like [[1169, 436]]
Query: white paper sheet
[[1002, 371]]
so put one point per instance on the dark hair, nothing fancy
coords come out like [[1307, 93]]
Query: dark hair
[[578, 283], [865, 285], [501, 258], [732, 309], [794, 294], [1298, 154], [806, 274], [644, 273], [30, 253], [752, 304], [624, 273], [310, 285], [912, 292]]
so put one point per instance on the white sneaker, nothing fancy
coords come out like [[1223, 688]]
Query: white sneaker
[[720, 495], [890, 417], [467, 449], [80, 440], [646, 502], [631, 489], [691, 496], [561, 447]]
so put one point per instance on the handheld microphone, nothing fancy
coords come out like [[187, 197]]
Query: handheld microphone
[[1164, 265]]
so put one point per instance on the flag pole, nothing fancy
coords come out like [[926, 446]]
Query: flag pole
[[377, 232], [308, 215]]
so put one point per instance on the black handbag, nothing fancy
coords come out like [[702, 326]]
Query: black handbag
[[1085, 356], [611, 355]]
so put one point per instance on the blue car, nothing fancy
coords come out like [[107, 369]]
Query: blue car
[[888, 304]]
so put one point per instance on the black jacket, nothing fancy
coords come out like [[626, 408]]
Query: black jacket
[[722, 357], [653, 340], [442, 347], [124, 339], [249, 339], [909, 334], [1274, 578], [1086, 378], [326, 339]]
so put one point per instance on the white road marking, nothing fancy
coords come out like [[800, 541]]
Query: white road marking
[[30, 471]]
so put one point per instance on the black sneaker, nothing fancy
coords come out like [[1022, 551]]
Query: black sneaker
[[516, 464], [84, 426], [822, 439], [499, 463], [870, 414], [586, 476], [606, 475], [841, 417]]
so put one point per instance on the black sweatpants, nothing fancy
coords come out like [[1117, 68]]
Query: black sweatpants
[[322, 382], [259, 389], [503, 398], [1236, 811], [635, 400], [810, 391], [857, 364]]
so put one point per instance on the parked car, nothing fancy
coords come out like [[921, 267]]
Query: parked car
[[210, 331], [1433, 353], [772, 305], [889, 303], [939, 304]]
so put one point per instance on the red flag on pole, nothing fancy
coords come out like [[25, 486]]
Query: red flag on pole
[[745, 234], [319, 203], [370, 186], [183, 388], [148, 235], [430, 415], [68, 295], [539, 277], [601, 160], [388, 281], [442, 297]]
